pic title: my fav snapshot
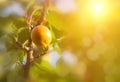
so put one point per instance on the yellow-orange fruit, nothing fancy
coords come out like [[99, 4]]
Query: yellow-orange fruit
[[41, 36]]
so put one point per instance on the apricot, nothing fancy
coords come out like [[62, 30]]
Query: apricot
[[41, 36]]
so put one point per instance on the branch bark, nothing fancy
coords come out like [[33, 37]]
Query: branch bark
[[30, 51], [29, 58]]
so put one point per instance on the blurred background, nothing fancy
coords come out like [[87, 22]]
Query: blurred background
[[85, 43]]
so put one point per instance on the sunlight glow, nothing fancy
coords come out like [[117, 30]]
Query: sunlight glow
[[98, 8]]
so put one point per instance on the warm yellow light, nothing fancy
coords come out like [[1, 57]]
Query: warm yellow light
[[98, 8]]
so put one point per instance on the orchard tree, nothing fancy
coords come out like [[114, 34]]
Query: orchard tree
[[59, 41]]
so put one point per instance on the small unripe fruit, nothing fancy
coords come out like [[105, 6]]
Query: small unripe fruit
[[41, 36]]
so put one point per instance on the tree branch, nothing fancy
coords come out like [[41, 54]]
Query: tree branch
[[30, 51], [20, 45], [44, 12]]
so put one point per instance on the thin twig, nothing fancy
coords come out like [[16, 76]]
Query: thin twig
[[44, 12], [30, 52], [31, 16], [20, 45]]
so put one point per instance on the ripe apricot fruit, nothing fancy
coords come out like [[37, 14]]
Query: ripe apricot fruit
[[41, 36]]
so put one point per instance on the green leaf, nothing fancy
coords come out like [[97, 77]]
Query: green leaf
[[53, 34], [55, 19], [9, 28], [41, 69], [23, 34]]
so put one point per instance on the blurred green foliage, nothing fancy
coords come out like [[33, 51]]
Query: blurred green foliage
[[95, 45]]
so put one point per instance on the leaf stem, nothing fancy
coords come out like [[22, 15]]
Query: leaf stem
[[29, 48]]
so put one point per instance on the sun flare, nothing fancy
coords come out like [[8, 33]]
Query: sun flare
[[98, 8]]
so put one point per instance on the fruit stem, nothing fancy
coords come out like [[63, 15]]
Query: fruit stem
[[30, 50], [44, 12]]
